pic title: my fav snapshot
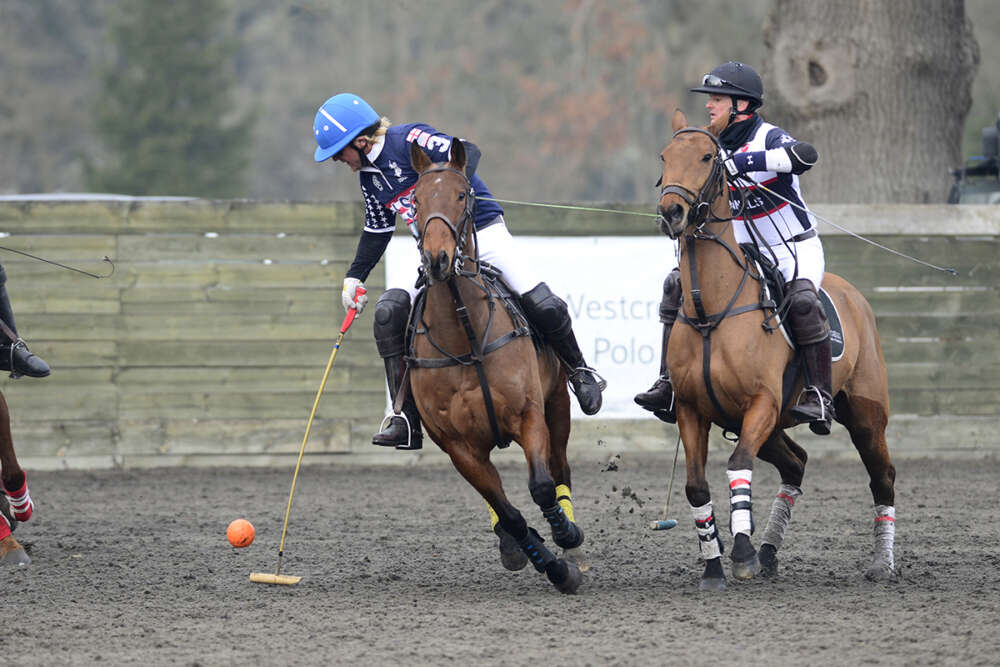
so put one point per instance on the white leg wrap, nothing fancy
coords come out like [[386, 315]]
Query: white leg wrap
[[708, 535], [885, 535], [781, 515], [741, 510]]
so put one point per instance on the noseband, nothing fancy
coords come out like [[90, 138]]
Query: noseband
[[459, 229], [700, 203]]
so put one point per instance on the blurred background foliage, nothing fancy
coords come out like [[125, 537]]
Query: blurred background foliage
[[569, 100]]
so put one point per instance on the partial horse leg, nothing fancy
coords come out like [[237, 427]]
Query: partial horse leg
[[694, 434], [758, 424], [477, 469], [866, 420], [15, 502], [557, 421], [790, 460], [10, 551]]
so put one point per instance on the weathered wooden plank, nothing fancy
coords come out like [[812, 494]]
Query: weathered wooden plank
[[356, 352], [232, 436], [945, 377], [277, 405], [276, 246]]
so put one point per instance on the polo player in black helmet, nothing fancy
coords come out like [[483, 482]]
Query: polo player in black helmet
[[757, 153]]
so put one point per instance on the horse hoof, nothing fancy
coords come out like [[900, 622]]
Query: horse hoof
[[572, 581], [17, 558], [712, 584], [511, 555], [768, 558], [880, 572], [746, 569], [578, 557]]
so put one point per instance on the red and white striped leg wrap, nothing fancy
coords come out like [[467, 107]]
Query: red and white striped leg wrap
[[885, 533], [708, 535], [4, 527], [20, 501], [741, 509], [781, 515]]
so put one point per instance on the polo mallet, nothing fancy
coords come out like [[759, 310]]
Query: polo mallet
[[277, 577], [663, 523]]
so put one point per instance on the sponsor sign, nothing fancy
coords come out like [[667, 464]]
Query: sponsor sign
[[612, 286]]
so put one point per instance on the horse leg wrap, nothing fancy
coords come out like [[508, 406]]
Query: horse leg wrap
[[20, 499], [885, 535], [565, 500], [781, 515], [741, 506], [7, 521], [708, 534], [565, 533], [543, 559]]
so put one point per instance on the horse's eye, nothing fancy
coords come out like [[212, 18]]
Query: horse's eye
[[706, 157], [461, 196], [659, 182]]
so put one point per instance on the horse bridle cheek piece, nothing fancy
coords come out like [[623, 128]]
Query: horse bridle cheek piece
[[479, 350], [700, 206], [700, 203], [459, 230]]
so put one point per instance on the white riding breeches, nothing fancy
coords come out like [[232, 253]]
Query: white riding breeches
[[810, 262], [497, 247]]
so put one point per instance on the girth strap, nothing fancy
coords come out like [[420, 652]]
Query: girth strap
[[705, 323], [477, 354]]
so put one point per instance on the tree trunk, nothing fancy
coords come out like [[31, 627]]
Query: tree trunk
[[880, 88]]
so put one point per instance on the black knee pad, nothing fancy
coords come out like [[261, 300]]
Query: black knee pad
[[671, 301], [392, 312], [806, 316], [547, 311]]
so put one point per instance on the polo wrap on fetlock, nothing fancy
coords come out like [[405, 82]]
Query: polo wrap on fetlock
[[20, 500]]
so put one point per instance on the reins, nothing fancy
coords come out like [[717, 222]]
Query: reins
[[698, 216], [486, 274]]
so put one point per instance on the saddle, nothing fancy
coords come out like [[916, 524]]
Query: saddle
[[772, 300]]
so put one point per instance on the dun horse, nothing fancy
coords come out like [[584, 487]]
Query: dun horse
[[479, 382], [739, 385], [15, 503]]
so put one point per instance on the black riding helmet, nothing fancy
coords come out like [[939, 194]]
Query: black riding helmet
[[738, 80]]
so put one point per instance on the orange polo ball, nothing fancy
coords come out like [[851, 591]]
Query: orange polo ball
[[240, 533]]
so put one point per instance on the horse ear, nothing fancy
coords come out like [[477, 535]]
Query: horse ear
[[679, 120], [418, 158], [457, 155]]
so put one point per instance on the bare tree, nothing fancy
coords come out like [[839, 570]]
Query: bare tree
[[881, 88]]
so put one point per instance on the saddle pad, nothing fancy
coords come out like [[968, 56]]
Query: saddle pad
[[836, 326]]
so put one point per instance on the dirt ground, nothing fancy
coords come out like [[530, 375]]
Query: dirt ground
[[399, 567]]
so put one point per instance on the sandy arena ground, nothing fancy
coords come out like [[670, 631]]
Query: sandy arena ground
[[399, 567]]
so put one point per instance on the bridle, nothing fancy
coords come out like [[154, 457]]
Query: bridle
[[460, 229], [700, 203]]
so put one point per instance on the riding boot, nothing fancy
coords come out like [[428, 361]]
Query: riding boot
[[403, 430], [550, 316], [660, 398], [14, 353], [392, 313], [816, 403]]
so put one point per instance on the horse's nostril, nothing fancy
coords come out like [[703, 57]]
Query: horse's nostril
[[674, 213]]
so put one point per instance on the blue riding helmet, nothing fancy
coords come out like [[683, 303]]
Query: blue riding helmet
[[338, 121]]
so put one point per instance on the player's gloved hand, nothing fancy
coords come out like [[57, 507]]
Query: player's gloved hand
[[352, 297]]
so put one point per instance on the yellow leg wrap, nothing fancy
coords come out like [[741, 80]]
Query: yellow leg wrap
[[565, 501], [494, 519]]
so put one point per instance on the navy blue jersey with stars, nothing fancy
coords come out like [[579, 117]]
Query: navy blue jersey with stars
[[387, 183]]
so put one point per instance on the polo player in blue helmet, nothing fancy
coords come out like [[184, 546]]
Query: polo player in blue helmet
[[757, 153], [348, 130]]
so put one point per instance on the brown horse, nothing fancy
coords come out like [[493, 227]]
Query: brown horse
[[15, 503], [745, 363], [478, 385]]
